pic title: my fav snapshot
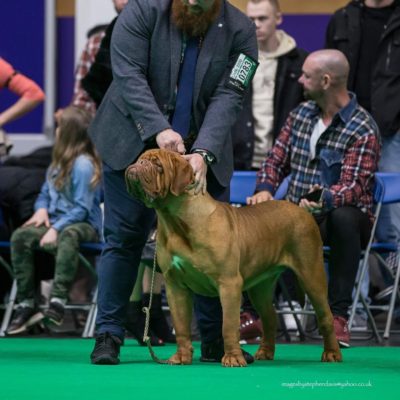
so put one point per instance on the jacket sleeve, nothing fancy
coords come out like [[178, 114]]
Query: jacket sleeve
[[43, 199], [277, 164], [130, 53], [83, 195], [225, 103]]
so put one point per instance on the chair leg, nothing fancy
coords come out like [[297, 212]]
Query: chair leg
[[294, 313], [9, 308], [357, 296], [371, 319], [87, 332], [392, 302]]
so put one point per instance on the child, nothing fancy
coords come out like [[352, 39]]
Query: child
[[67, 212]]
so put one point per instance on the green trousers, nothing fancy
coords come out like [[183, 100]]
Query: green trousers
[[24, 242]]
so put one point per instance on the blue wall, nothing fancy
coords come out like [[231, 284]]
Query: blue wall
[[22, 44], [308, 30]]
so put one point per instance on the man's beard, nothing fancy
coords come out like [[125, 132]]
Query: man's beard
[[194, 24]]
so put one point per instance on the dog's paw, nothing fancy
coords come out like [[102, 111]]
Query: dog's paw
[[331, 356], [232, 360], [264, 353], [181, 358]]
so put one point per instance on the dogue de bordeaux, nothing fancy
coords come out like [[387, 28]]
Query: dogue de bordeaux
[[213, 249]]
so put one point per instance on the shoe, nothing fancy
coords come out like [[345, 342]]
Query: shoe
[[54, 315], [106, 349], [158, 323], [341, 331], [24, 318], [214, 351], [360, 323], [135, 324], [289, 320], [250, 327]]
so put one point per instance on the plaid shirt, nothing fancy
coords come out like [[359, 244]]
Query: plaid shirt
[[80, 98], [352, 134]]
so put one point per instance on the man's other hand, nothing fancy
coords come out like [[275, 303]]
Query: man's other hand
[[168, 139], [259, 197]]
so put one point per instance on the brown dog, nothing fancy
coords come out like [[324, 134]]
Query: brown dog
[[214, 249]]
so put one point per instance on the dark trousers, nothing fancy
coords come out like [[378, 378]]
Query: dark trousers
[[127, 223], [346, 230]]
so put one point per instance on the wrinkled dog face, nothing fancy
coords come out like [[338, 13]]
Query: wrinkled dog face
[[156, 174]]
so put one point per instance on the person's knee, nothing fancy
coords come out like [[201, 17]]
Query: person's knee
[[344, 220], [20, 235], [69, 234], [131, 239]]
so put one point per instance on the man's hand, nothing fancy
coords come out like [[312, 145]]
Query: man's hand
[[40, 217], [49, 239], [168, 139], [311, 206], [200, 172], [259, 197]]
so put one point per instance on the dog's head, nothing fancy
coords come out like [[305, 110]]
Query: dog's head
[[156, 174]]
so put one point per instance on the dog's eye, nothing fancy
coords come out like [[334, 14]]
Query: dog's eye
[[158, 164]]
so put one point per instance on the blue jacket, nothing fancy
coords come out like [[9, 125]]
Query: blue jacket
[[75, 202]]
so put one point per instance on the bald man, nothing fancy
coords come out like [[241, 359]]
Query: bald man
[[329, 144]]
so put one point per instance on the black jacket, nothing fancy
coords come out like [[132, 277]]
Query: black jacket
[[344, 34], [99, 77], [288, 94]]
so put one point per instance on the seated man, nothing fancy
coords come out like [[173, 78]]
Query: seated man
[[330, 146]]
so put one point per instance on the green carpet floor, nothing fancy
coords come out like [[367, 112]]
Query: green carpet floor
[[60, 369]]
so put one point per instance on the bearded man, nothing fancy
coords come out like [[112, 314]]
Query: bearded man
[[180, 68]]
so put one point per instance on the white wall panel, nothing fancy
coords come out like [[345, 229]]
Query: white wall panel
[[89, 13]]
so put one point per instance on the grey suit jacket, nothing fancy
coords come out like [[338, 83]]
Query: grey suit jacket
[[145, 54]]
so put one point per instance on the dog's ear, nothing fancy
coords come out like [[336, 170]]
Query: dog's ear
[[182, 176], [134, 187]]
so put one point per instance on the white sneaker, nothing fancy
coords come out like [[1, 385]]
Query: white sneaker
[[360, 324], [290, 322]]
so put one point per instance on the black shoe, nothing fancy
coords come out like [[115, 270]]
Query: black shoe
[[106, 349], [214, 351], [24, 318], [135, 323], [54, 315]]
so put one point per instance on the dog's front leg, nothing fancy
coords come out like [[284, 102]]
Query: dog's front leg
[[231, 296], [180, 304]]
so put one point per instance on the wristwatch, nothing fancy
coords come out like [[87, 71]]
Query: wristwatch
[[207, 156]]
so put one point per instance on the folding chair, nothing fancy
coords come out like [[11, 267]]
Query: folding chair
[[86, 249], [4, 248], [387, 191], [242, 185]]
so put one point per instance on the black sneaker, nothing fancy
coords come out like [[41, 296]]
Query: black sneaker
[[106, 349], [24, 318], [54, 315], [214, 351]]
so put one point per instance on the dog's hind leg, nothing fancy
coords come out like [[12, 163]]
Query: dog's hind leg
[[261, 297], [180, 304], [313, 280]]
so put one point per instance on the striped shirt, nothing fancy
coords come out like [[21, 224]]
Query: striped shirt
[[350, 146]]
